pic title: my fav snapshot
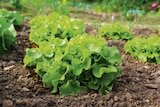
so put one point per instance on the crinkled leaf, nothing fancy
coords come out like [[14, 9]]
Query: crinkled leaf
[[107, 78], [158, 60], [142, 57], [47, 49], [114, 55], [95, 48], [55, 85], [52, 74], [77, 66], [87, 63], [102, 90], [31, 56], [99, 71], [58, 55], [70, 88]]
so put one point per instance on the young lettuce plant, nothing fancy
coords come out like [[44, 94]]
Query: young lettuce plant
[[82, 63], [7, 35], [44, 28], [146, 49], [8, 20], [11, 17], [115, 31]]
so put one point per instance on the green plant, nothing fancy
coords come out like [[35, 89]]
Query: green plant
[[7, 35], [11, 17], [44, 28], [115, 31], [82, 63], [61, 7], [7, 31], [159, 29], [16, 3], [145, 49]]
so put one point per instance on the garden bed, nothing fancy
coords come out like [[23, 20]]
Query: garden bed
[[21, 87]]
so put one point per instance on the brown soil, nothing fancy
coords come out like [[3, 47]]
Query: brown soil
[[139, 85]]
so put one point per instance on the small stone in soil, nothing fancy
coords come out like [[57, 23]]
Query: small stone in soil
[[7, 103], [151, 86], [25, 89], [9, 68], [37, 102], [115, 98], [128, 95]]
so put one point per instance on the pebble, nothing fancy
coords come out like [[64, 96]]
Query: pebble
[[147, 101], [7, 103], [9, 68], [94, 95], [151, 86], [128, 95], [115, 98], [25, 89], [4, 63], [146, 67], [37, 102]]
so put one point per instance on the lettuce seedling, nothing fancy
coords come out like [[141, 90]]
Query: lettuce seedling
[[8, 20], [115, 31], [11, 17], [146, 49], [7, 35], [44, 28]]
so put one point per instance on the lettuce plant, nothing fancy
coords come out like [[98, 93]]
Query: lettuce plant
[[11, 17], [7, 31], [82, 63], [146, 49], [115, 31], [44, 28], [7, 35]]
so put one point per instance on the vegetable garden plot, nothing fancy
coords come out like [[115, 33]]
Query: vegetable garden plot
[[19, 86], [137, 85]]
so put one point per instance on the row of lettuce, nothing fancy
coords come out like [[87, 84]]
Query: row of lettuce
[[69, 60]]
